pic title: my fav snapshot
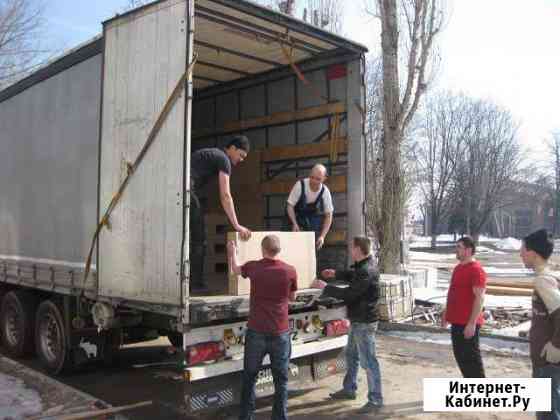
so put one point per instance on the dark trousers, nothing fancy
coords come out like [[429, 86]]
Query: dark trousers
[[467, 352], [552, 372], [198, 242], [279, 349]]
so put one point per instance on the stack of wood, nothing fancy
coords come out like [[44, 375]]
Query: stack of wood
[[215, 263], [509, 287], [396, 300]]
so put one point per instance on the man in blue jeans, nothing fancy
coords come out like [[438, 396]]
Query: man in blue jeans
[[544, 335], [273, 285], [361, 298]]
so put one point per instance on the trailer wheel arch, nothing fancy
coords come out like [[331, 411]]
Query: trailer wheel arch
[[17, 322]]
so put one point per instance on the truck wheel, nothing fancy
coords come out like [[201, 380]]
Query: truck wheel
[[176, 340], [16, 318], [51, 338]]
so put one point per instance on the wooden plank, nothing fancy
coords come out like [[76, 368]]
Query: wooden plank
[[298, 249], [335, 183], [301, 151], [273, 119], [508, 291], [522, 284], [336, 237]]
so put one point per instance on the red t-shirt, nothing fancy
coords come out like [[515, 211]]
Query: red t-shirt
[[460, 297], [271, 284]]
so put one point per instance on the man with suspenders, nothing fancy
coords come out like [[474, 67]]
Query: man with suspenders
[[310, 206]]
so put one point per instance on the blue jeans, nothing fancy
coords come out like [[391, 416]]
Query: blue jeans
[[279, 348], [361, 351], [552, 372]]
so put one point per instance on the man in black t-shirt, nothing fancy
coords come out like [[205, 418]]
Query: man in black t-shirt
[[206, 164]]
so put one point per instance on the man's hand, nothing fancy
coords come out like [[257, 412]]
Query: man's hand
[[295, 228], [243, 232], [320, 242], [328, 273], [550, 353], [469, 331], [318, 284], [231, 248]]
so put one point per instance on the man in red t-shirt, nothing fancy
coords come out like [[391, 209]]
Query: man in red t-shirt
[[465, 300], [273, 285]]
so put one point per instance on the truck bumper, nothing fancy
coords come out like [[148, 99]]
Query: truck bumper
[[310, 362]]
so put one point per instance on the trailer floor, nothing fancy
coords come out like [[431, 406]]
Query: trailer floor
[[404, 364]]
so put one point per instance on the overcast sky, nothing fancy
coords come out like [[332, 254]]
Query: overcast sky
[[504, 50]]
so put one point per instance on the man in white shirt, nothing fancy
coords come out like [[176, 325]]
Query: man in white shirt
[[310, 206]]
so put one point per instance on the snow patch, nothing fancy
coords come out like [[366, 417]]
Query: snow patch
[[509, 244], [17, 401]]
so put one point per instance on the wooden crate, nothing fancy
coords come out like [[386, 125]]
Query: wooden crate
[[396, 299], [298, 249]]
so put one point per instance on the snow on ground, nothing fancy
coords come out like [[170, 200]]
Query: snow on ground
[[511, 272], [439, 295], [17, 401], [427, 256], [486, 343], [509, 244]]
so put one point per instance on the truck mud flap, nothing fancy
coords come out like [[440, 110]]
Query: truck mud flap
[[328, 363]]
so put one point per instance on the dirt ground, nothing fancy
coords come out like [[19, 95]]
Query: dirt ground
[[403, 366]]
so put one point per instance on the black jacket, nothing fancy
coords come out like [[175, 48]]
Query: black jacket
[[363, 292]]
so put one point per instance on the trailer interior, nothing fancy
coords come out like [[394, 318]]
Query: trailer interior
[[284, 85]]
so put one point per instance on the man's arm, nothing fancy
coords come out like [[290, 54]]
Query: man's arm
[[546, 288], [327, 222], [352, 293], [478, 304], [227, 203], [234, 267], [292, 216]]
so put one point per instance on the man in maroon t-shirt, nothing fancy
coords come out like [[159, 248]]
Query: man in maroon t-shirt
[[465, 300], [273, 285]]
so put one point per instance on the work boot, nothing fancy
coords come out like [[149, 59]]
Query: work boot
[[369, 408], [343, 395]]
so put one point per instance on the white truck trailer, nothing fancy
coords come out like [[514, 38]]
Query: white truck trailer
[[69, 134]]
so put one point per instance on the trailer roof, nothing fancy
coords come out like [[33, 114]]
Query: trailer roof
[[235, 39]]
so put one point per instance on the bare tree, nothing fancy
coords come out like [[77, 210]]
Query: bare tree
[[439, 151], [424, 20], [21, 26], [489, 166], [554, 149], [325, 14]]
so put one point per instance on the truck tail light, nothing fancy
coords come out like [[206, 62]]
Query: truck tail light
[[204, 352], [337, 327]]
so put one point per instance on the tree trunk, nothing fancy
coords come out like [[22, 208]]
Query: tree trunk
[[391, 203]]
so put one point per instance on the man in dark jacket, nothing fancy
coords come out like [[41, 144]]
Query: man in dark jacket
[[361, 296]]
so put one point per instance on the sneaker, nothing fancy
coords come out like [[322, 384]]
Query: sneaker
[[369, 408], [343, 395]]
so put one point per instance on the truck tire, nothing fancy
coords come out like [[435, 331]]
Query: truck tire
[[17, 323], [51, 338]]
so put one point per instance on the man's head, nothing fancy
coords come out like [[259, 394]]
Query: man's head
[[317, 176], [270, 246], [465, 248], [238, 149], [361, 248], [536, 248]]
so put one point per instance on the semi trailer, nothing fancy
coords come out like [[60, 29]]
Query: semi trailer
[[71, 134]]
